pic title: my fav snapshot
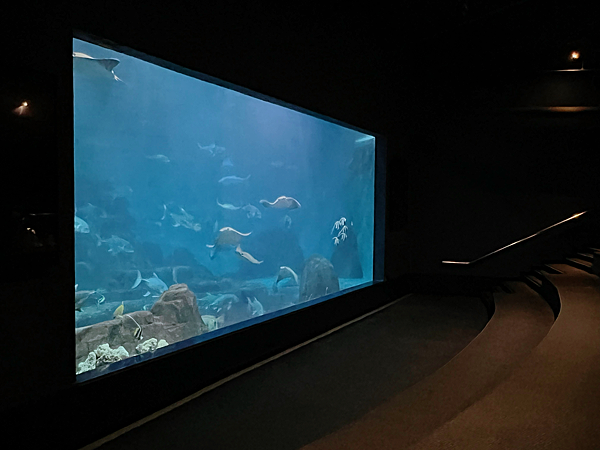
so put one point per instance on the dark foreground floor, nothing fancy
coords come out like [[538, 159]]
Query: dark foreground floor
[[317, 389]]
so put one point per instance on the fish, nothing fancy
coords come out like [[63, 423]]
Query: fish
[[252, 211], [213, 149], [115, 244], [287, 222], [99, 67], [119, 311], [364, 140], [146, 294], [88, 210], [81, 297], [227, 236], [81, 225], [211, 322], [232, 179], [228, 206], [256, 308], [282, 202], [284, 273], [247, 256], [86, 296], [121, 191], [182, 219], [161, 158], [154, 283], [137, 333]]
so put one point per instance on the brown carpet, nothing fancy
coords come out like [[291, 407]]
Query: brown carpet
[[552, 401], [522, 319]]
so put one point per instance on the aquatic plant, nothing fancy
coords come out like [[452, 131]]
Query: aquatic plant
[[341, 227]]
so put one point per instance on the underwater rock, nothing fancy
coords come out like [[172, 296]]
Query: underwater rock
[[345, 258], [174, 317], [177, 310], [114, 332], [318, 278]]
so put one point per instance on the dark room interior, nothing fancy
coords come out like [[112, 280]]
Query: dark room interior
[[490, 110]]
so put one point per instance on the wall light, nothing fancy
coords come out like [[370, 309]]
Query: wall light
[[22, 110], [574, 56]]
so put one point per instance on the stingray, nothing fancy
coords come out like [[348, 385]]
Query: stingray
[[247, 256], [99, 67], [227, 236], [282, 202]]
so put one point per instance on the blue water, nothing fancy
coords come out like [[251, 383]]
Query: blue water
[[150, 149]]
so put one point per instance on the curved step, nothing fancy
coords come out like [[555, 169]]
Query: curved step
[[520, 322], [553, 399]]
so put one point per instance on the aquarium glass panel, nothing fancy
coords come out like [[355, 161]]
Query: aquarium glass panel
[[200, 209]]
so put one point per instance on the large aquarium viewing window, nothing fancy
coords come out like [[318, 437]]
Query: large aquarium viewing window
[[201, 209]]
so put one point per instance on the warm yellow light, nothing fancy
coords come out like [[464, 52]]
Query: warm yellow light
[[24, 104], [575, 55]]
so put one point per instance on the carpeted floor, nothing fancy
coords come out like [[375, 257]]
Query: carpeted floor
[[552, 400], [317, 389]]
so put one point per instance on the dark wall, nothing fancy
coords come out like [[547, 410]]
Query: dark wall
[[462, 179]]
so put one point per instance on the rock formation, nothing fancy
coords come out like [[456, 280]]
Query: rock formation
[[318, 279], [173, 318]]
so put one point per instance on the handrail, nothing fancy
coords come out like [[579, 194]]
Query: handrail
[[466, 263]]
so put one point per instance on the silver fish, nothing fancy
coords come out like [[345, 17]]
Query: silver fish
[[247, 256], [89, 210], [284, 273], [182, 219], [85, 297], [256, 308], [116, 245], [252, 212], [213, 149], [228, 206], [81, 225], [154, 283], [161, 158], [232, 179], [287, 221]]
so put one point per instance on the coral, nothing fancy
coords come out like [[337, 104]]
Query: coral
[[102, 355], [151, 345], [88, 364], [106, 355], [343, 228]]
